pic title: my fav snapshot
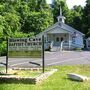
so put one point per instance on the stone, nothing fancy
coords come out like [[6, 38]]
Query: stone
[[77, 77]]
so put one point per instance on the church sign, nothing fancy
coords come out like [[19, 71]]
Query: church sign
[[25, 47]]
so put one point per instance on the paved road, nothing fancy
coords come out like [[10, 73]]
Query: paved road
[[52, 58]]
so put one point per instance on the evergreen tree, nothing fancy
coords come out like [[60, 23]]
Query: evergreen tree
[[76, 17], [86, 19], [56, 9]]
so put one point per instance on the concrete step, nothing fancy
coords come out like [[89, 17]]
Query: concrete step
[[55, 48]]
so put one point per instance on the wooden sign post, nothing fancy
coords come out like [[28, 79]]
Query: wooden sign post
[[7, 58], [25, 48], [43, 63]]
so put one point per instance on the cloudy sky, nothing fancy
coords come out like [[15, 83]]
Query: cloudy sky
[[71, 3]]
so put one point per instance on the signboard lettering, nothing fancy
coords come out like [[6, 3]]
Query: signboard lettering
[[25, 47]]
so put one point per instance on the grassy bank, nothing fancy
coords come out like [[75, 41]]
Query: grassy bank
[[57, 81]]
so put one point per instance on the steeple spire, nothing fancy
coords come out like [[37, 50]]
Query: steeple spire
[[60, 11], [61, 18]]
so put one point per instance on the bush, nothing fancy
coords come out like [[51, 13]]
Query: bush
[[3, 45], [20, 35], [3, 48], [78, 49]]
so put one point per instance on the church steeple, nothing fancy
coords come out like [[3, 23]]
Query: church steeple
[[60, 11], [61, 18]]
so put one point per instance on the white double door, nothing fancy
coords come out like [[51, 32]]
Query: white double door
[[58, 40]]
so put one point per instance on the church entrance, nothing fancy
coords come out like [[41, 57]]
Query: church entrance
[[58, 40]]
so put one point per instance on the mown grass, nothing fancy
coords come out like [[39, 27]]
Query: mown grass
[[58, 81], [1, 68]]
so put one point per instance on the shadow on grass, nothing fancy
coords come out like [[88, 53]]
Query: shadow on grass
[[17, 81], [72, 80]]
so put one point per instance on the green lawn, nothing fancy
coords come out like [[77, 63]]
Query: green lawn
[[58, 81], [1, 68]]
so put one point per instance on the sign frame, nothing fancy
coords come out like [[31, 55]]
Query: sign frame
[[43, 58]]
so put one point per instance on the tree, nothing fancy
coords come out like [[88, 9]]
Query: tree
[[23, 18], [42, 5], [37, 22], [1, 27], [56, 9], [32, 4], [76, 17], [2, 35], [37, 17], [86, 19], [12, 21]]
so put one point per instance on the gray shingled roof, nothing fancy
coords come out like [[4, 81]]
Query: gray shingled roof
[[62, 26]]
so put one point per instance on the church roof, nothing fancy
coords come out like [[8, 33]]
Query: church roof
[[61, 25], [67, 27]]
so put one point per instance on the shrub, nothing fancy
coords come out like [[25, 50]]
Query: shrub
[[3, 48]]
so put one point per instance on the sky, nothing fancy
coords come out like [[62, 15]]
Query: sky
[[71, 3]]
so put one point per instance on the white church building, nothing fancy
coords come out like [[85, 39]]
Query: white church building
[[61, 36]]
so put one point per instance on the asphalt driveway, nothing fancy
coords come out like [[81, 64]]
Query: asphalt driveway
[[52, 58]]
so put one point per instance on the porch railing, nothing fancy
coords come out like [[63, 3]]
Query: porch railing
[[70, 45], [64, 45]]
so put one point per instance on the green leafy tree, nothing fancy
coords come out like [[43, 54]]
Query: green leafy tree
[[56, 9], [37, 18], [12, 21], [32, 4], [21, 34], [86, 19], [76, 17], [2, 35], [23, 11], [1, 26], [38, 21], [42, 5]]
